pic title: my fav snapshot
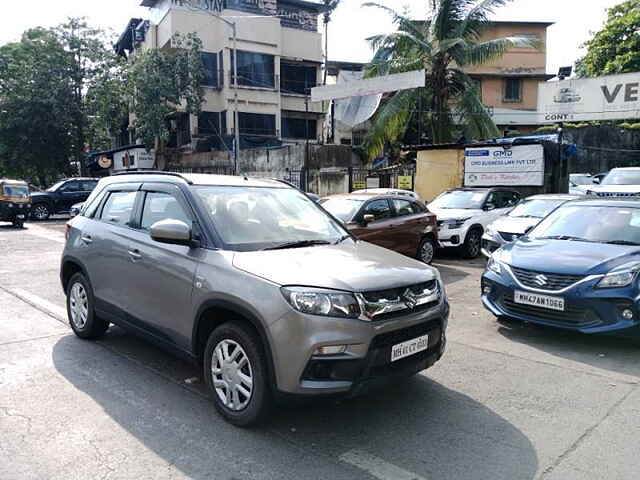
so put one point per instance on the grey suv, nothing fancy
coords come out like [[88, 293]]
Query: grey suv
[[253, 281]]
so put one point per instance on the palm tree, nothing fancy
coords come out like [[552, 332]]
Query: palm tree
[[443, 45]]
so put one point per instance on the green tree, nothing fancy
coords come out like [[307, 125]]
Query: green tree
[[35, 99], [163, 83], [616, 48], [447, 42], [97, 78]]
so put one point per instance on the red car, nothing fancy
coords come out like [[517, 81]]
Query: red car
[[397, 223]]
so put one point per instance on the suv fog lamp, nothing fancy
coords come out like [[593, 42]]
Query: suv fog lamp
[[330, 350], [627, 314], [486, 289]]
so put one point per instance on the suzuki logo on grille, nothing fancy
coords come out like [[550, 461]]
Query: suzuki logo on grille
[[541, 280], [409, 299]]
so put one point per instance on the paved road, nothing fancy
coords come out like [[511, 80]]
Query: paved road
[[507, 401]]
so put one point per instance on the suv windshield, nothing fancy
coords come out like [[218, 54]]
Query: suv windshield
[[592, 224], [256, 218], [622, 177], [342, 208], [16, 191], [467, 199], [535, 208]]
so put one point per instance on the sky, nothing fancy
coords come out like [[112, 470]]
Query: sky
[[351, 24]]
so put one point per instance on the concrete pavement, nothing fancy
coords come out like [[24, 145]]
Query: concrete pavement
[[507, 401]]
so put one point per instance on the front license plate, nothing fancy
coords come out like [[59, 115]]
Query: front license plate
[[410, 347], [542, 301]]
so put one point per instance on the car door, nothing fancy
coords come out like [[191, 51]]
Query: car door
[[410, 226], [161, 276], [104, 236], [381, 230], [69, 194]]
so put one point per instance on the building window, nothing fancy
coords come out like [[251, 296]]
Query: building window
[[257, 124], [299, 128], [212, 123], [211, 71], [513, 90], [297, 78], [254, 69]]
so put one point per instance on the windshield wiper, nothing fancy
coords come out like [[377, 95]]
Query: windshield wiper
[[525, 216], [298, 244], [623, 242], [565, 237], [341, 239]]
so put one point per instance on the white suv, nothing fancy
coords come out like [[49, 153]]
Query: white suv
[[464, 213], [619, 182]]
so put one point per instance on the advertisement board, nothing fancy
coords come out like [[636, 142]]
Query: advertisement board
[[405, 182], [614, 97], [521, 165], [137, 158]]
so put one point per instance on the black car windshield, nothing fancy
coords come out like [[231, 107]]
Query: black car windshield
[[258, 218], [343, 208], [591, 223], [535, 208], [622, 177], [55, 186], [16, 191], [465, 199]]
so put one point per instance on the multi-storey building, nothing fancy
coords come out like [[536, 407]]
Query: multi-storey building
[[280, 57]]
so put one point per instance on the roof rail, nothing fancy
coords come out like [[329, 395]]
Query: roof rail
[[153, 172]]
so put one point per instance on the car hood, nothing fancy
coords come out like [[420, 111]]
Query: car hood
[[39, 195], [449, 213], [567, 257], [352, 266], [509, 224], [614, 188]]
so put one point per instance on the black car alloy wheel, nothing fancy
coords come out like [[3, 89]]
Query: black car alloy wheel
[[40, 211]]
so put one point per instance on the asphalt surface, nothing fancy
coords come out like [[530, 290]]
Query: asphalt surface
[[507, 401]]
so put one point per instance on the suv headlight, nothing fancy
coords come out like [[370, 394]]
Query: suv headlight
[[327, 303], [618, 279], [494, 266], [456, 223]]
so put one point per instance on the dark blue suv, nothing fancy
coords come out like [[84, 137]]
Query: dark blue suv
[[578, 269]]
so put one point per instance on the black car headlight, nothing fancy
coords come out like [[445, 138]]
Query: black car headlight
[[317, 301]]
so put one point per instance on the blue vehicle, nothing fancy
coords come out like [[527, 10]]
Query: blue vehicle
[[577, 270]]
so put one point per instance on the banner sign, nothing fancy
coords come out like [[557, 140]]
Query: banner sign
[[614, 97], [521, 165], [134, 158], [369, 86]]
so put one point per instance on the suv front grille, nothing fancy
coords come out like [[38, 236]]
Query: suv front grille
[[397, 302], [571, 316], [394, 294], [544, 280]]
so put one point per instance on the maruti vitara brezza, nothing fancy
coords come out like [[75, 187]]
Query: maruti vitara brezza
[[255, 282]]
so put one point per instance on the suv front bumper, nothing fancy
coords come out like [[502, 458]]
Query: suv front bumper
[[367, 361]]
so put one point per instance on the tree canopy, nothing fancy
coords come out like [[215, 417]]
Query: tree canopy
[[616, 48], [449, 40]]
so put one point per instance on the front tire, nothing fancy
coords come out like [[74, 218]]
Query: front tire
[[236, 375], [427, 250], [472, 244], [18, 223], [81, 309], [40, 212]]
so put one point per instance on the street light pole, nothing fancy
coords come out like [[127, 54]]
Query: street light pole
[[236, 121]]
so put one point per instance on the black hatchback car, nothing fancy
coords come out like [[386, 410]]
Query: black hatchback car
[[61, 197]]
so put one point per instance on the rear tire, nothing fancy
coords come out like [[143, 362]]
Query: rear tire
[[18, 223], [40, 212], [81, 309], [236, 375], [426, 250], [471, 247]]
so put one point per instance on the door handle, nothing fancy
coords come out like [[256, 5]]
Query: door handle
[[86, 238], [135, 254]]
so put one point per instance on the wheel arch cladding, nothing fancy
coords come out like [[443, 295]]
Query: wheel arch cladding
[[69, 268]]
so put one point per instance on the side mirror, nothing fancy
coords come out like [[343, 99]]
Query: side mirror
[[173, 232], [367, 219], [489, 206], [596, 180]]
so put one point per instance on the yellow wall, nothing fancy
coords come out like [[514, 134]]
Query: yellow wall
[[493, 93], [437, 171]]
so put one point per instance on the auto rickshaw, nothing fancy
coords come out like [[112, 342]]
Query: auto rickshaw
[[15, 202]]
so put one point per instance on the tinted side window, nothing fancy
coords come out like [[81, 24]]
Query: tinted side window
[[162, 206], [403, 207], [71, 187], [88, 185], [118, 207], [379, 209]]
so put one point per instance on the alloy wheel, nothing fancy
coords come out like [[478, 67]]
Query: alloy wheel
[[426, 251], [40, 212], [79, 305], [474, 244], [232, 375]]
